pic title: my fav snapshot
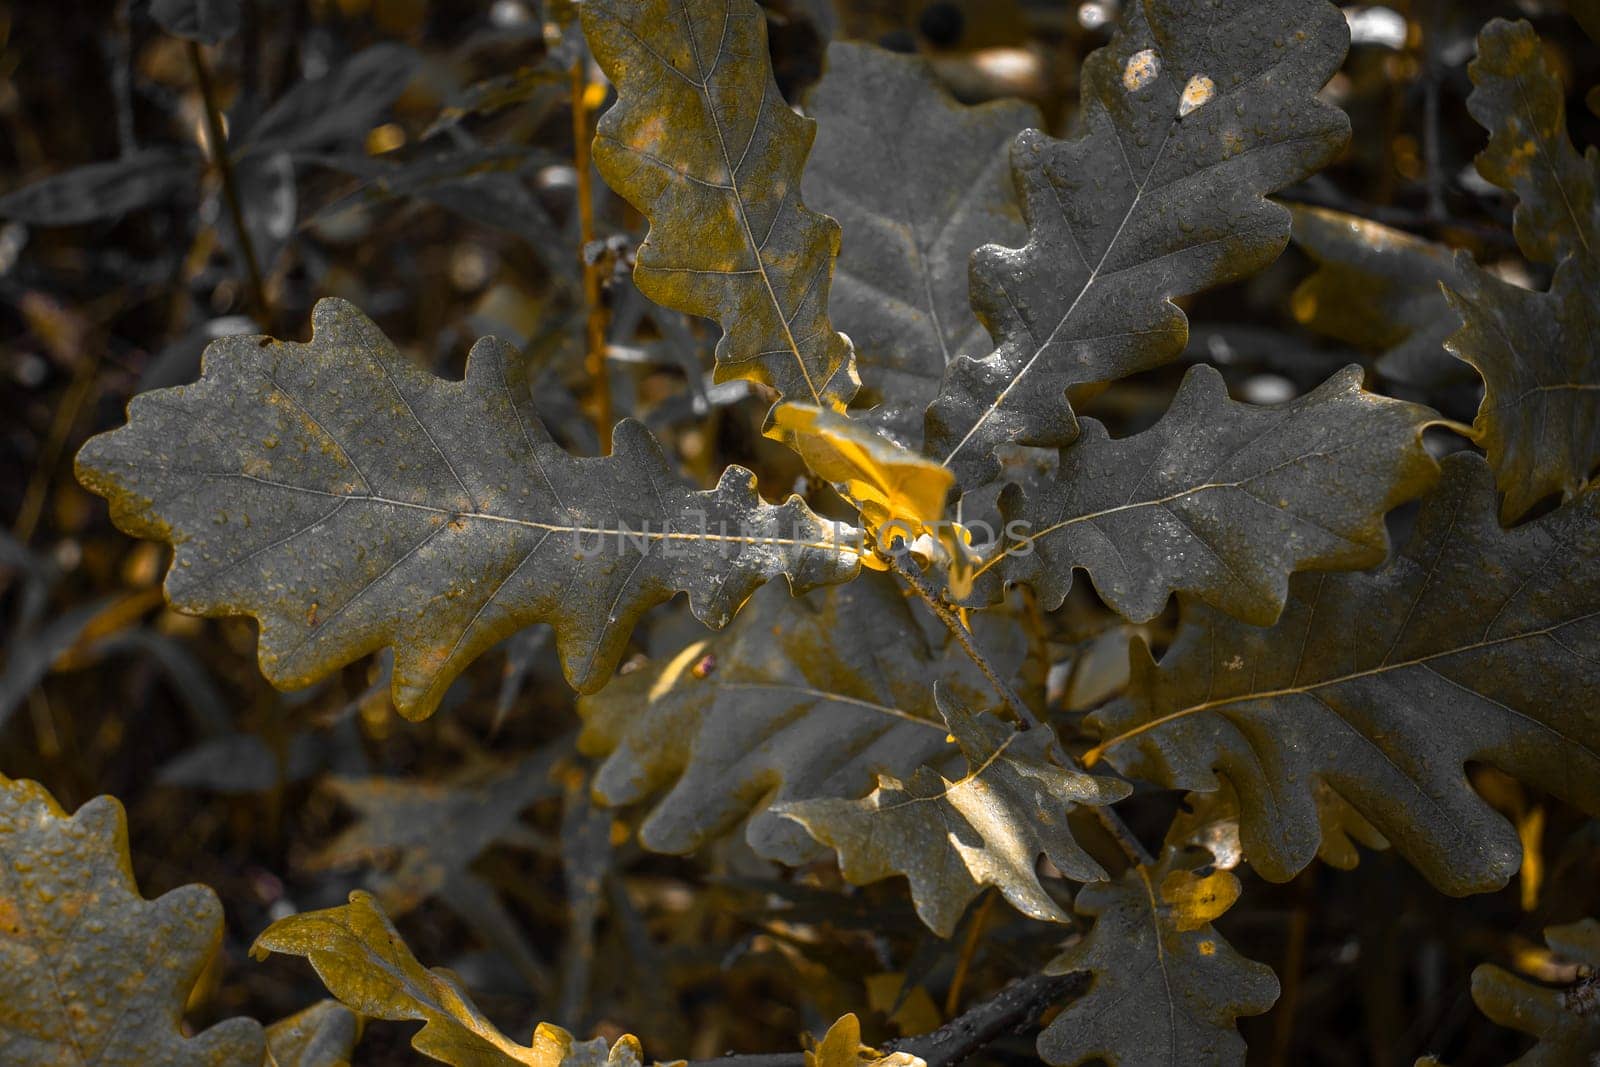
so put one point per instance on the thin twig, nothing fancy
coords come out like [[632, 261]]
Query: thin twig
[[969, 949], [1131, 846], [595, 319], [217, 142], [899, 559]]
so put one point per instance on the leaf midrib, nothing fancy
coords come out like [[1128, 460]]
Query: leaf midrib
[[621, 530], [1094, 754]]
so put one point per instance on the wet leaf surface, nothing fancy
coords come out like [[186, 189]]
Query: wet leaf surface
[[1161, 195]]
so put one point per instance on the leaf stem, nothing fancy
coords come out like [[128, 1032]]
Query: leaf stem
[[899, 559], [969, 949], [595, 312], [216, 141], [1131, 846]]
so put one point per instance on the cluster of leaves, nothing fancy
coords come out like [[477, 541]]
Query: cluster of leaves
[[925, 343]]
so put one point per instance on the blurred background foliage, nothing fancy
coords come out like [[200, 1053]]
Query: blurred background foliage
[[417, 157]]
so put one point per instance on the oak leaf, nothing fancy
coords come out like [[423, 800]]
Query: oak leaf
[[363, 961], [1566, 1021], [1474, 644], [1220, 500], [90, 971], [1380, 289], [797, 699], [1166, 987], [350, 501], [1540, 416], [1162, 194], [915, 198], [702, 143], [950, 839]]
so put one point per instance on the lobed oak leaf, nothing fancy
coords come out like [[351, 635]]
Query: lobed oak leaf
[[797, 699], [1194, 112], [952, 838], [350, 501], [1166, 987], [1220, 500], [363, 961], [702, 143], [1473, 644], [1518, 97], [90, 971], [915, 198]]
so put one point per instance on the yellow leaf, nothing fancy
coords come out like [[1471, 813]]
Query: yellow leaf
[[361, 958], [1196, 901], [842, 1047], [888, 483]]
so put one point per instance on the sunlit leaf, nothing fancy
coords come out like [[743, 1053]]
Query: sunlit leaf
[[1211, 821], [1161, 195], [1378, 288], [1566, 1020], [1166, 987], [1473, 644], [897, 491], [1220, 500], [91, 972], [350, 501], [797, 699], [915, 199], [102, 190], [841, 1047], [363, 961], [952, 838], [323, 1035], [702, 143]]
